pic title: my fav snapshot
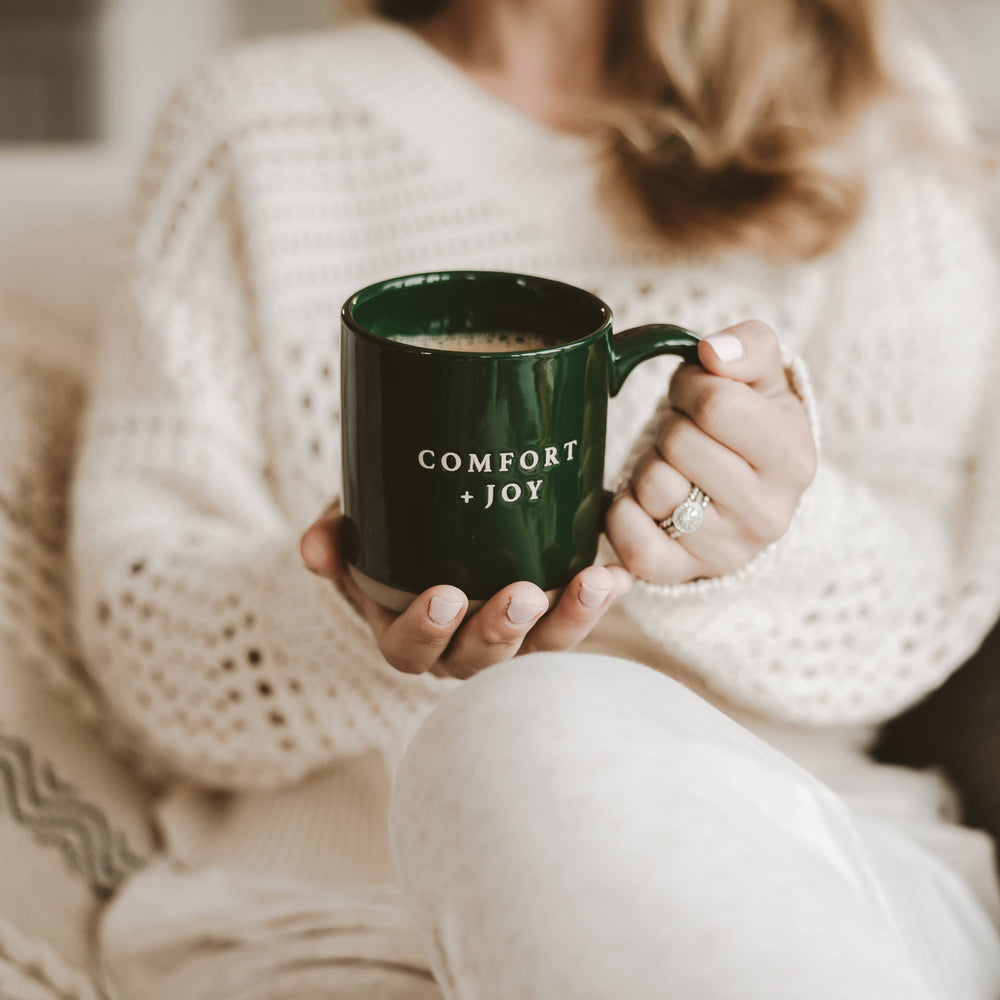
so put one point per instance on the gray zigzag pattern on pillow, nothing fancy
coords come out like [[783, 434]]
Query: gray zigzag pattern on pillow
[[50, 809]]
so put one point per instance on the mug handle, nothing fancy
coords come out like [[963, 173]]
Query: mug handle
[[631, 347]]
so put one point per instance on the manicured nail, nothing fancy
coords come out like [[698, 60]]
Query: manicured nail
[[442, 611], [521, 612], [313, 549], [592, 597], [726, 346]]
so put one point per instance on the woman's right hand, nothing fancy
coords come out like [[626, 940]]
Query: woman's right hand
[[432, 635]]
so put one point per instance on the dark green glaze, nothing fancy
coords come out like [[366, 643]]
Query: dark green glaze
[[426, 434]]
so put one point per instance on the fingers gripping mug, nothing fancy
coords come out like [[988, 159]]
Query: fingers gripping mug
[[474, 413]]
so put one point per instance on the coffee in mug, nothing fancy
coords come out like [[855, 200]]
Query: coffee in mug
[[479, 341], [474, 413]]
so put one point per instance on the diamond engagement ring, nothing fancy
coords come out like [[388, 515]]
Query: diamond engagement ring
[[687, 516]]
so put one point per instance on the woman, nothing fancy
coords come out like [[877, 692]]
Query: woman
[[564, 825]]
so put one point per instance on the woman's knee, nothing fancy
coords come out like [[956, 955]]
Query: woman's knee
[[534, 702], [602, 753], [554, 803], [525, 716], [556, 741]]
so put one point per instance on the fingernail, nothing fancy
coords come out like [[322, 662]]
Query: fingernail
[[521, 612], [313, 549], [591, 597], [442, 611], [624, 485], [726, 346]]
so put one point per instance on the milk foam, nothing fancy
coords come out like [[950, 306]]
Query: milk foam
[[480, 341]]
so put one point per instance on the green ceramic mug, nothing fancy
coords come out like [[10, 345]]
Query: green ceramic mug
[[472, 467]]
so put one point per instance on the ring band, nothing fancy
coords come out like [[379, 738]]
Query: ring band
[[687, 516]]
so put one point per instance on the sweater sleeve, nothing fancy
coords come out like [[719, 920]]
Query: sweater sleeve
[[228, 661], [887, 579]]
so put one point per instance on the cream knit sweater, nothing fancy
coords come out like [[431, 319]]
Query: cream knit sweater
[[293, 172]]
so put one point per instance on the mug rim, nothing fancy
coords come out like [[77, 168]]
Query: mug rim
[[428, 277]]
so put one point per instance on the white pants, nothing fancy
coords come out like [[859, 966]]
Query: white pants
[[575, 827]]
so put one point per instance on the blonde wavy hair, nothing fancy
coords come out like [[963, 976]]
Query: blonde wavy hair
[[730, 121]]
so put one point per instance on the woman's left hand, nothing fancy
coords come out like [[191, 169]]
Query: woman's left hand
[[736, 430]]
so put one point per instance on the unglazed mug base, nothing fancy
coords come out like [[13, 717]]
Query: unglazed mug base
[[399, 600]]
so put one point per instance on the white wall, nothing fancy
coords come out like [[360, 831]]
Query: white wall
[[149, 43], [255, 17], [967, 34], [58, 204], [146, 45]]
